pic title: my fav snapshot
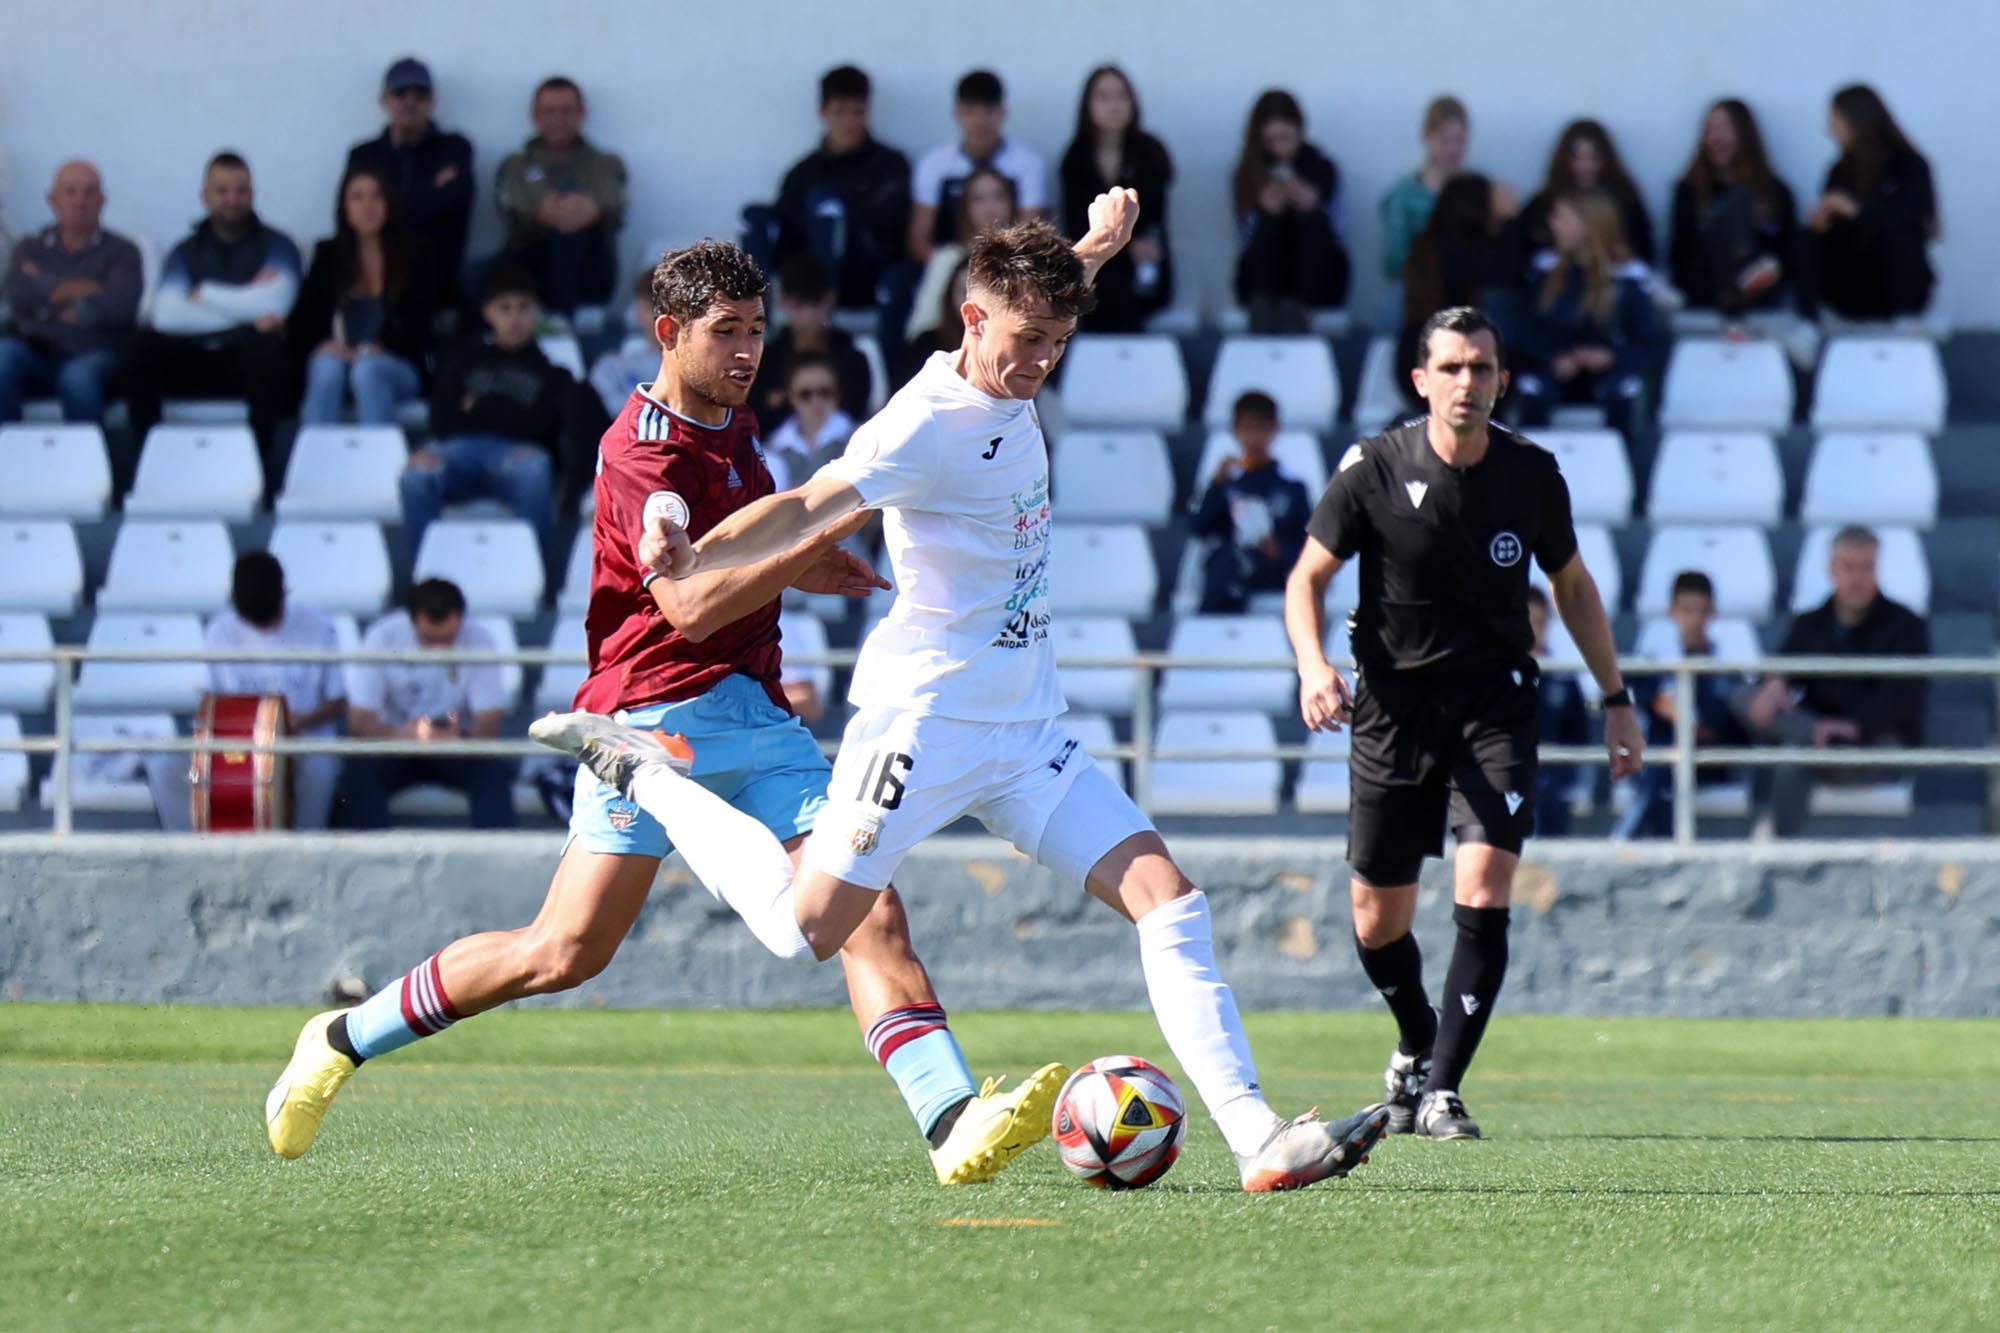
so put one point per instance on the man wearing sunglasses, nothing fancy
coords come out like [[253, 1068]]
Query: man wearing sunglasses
[[429, 168]]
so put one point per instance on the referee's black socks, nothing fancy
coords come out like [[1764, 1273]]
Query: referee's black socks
[[1471, 985], [1397, 971]]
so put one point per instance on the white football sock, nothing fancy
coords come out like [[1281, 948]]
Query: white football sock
[[735, 857], [1197, 1014]]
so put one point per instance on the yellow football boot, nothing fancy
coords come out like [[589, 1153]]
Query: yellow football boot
[[298, 1100], [996, 1127]]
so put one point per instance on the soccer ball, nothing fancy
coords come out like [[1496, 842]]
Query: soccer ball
[[1119, 1123]]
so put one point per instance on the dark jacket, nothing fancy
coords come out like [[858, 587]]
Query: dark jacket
[[406, 315], [1877, 265], [1315, 169], [774, 374], [1708, 247], [870, 187], [206, 257], [39, 264], [1147, 167], [518, 395], [1634, 333], [439, 214], [1285, 497], [1888, 709], [1638, 227], [1444, 271]]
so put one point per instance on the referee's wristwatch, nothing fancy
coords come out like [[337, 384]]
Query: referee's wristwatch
[[1618, 698]]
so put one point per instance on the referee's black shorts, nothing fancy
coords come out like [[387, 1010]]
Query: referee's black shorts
[[1429, 751]]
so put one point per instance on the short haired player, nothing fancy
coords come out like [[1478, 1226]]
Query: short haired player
[[1444, 513], [957, 693], [697, 657]]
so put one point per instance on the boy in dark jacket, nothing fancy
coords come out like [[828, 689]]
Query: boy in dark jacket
[[1254, 514]]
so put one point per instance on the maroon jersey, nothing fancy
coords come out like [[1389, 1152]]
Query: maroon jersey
[[699, 475]]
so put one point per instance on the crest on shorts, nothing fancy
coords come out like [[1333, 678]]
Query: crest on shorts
[[866, 834], [1506, 549], [621, 814]]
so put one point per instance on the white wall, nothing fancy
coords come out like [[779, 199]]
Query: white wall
[[709, 103]]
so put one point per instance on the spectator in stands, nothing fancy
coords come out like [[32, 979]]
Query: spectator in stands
[[1734, 223], [1585, 158], [73, 293], [806, 300], [416, 701], [219, 315], [1590, 333], [988, 199], [816, 428], [1406, 207], [1111, 149], [498, 414], [1564, 721], [363, 318], [846, 203], [1287, 197], [1252, 512], [261, 619], [633, 362], [563, 201], [1468, 253], [1691, 608], [944, 330], [1858, 621], [981, 112], [429, 174], [1865, 251]]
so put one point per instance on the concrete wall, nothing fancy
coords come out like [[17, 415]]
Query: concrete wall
[[1850, 930], [709, 103]]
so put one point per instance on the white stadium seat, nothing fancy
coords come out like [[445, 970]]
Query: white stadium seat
[[1716, 477], [1737, 560], [113, 783], [802, 636], [1094, 733], [1880, 384], [1856, 477], [1099, 569], [1600, 557], [1734, 639], [1379, 400], [1236, 638], [559, 683], [41, 568], [1597, 470], [168, 566], [1894, 799], [204, 411], [1901, 568], [1296, 371], [1122, 476], [56, 471], [1124, 380], [1205, 786], [1715, 384], [1297, 452], [26, 686], [501, 628], [175, 687], [334, 566], [1323, 779], [495, 562], [565, 352], [345, 472], [1097, 689], [13, 766], [574, 599], [1326, 322], [1342, 595], [197, 472]]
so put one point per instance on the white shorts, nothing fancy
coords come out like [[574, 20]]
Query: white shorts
[[901, 777]]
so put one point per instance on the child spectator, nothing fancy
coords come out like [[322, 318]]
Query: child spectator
[[1585, 158], [816, 428], [806, 298], [1253, 513], [1734, 222], [1590, 333], [1110, 149], [1866, 247], [980, 109], [1286, 194], [363, 318]]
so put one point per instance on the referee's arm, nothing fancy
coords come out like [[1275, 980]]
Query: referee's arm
[[1582, 611], [1324, 700]]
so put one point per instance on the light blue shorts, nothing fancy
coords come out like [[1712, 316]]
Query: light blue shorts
[[747, 750]]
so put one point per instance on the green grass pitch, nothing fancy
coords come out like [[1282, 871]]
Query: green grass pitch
[[591, 1169]]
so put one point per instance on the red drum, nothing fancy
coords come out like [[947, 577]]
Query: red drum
[[234, 791]]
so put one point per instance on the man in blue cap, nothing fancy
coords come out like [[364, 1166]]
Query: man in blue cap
[[430, 168]]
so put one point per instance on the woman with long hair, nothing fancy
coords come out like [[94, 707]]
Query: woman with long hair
[[363, 317], [1586, 158], [1407, 205], [1734, 221], [1110, 148], [1286, 193], [988, 199], [1468, 253], [1866, 250], [1590, 333]]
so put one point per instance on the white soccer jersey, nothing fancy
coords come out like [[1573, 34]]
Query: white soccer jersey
[[963, 480]]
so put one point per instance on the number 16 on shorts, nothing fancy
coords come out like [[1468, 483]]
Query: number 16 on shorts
[[882, 780]]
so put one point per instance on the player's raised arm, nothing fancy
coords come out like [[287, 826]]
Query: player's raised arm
[[1113, 215], [771, 526]]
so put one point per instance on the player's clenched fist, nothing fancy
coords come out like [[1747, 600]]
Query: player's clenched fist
[[1115, 213], [1324, 700], [664, 548]]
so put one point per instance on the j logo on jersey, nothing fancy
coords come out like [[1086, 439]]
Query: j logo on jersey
[[1506, 549]]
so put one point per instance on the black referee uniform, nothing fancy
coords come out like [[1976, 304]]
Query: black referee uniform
[[1445, 699]]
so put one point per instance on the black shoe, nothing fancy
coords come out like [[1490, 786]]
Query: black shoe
[[1404, 1079], [1442, 1116]]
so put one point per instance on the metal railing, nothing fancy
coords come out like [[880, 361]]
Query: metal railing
[[1684, 754]]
